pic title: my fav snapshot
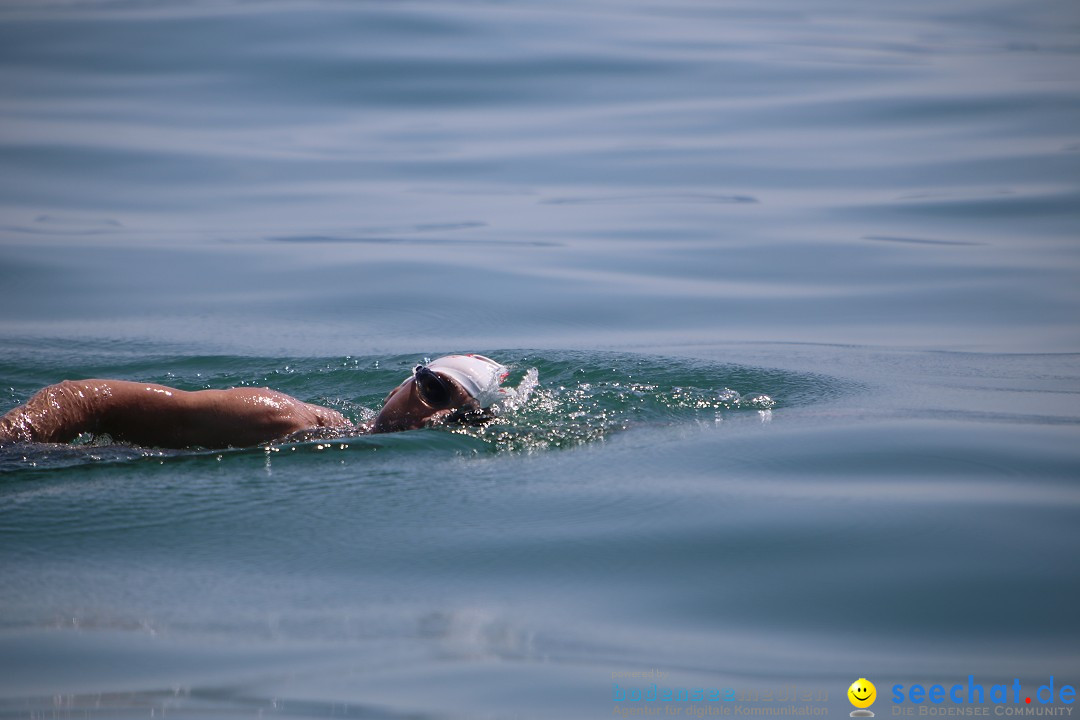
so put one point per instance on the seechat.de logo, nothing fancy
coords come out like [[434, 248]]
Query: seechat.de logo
[[1003, 698]]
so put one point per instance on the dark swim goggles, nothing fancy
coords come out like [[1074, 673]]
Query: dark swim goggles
[[434, 390]]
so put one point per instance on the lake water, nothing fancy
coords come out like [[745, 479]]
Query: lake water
[[800, 281]]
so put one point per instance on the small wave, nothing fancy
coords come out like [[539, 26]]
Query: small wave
[[557, 400], [655, 198], [564, 400]]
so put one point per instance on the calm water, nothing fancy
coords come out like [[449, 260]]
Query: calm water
[[800, 281]]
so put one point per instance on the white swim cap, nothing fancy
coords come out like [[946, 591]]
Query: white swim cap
[[480, 376]]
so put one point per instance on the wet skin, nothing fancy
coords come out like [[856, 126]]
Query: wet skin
[[160, 416], [405, 409]]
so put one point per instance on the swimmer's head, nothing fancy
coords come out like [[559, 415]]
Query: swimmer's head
[[455, 388]]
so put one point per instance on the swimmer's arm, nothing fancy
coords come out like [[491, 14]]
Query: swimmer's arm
[[157, 415]]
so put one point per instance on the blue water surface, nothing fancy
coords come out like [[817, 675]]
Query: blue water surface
[[800, 282]]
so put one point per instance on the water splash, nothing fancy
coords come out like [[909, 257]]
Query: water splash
[[556, 399], [567, 402]]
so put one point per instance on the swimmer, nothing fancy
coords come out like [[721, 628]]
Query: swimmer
[[451, 389]]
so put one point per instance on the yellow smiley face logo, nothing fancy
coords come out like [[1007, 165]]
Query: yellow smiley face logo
[[862, 693]]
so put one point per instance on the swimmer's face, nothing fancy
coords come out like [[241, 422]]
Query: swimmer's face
[[862, 693], [424, 399]]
